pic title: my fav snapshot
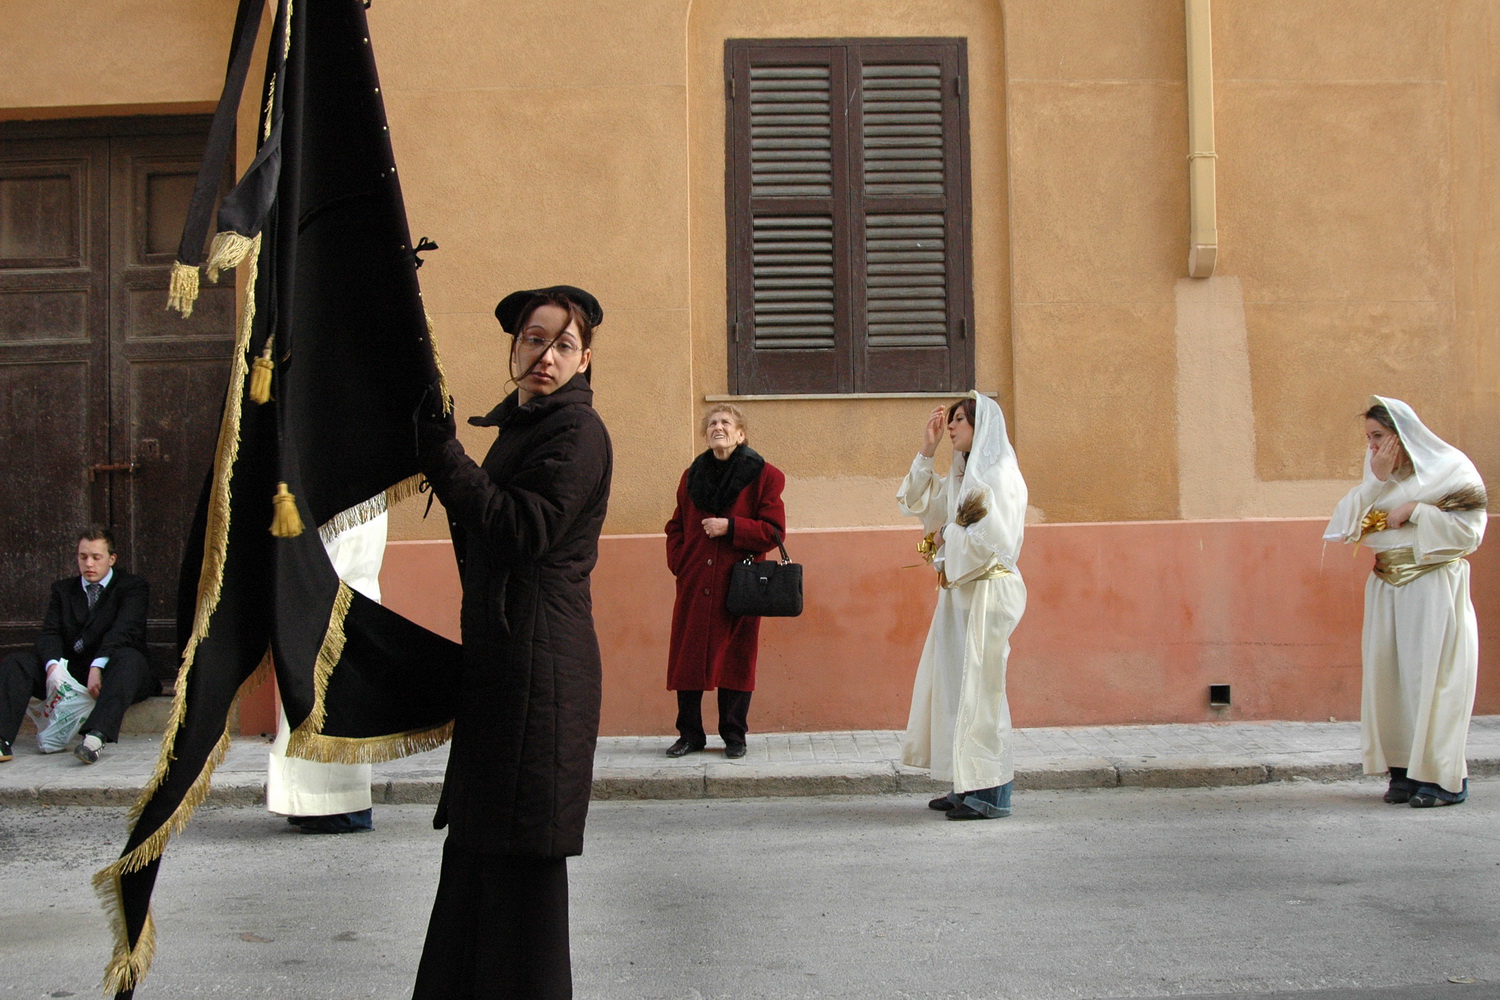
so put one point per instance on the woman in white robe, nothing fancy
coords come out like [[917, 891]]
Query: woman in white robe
[[318, 797], [1420, 508], [959, 726]]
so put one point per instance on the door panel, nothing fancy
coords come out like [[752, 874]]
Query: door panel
[[54, 407], [166, 372]]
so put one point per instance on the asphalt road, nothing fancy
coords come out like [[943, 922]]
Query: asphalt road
[[1288, 890]]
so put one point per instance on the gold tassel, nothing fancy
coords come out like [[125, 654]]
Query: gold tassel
[[260, 377], [285, 521], [182, 292], [228, 251]]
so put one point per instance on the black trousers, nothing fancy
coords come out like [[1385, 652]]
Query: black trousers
[[734, 716], [499, 929], [126, 680]]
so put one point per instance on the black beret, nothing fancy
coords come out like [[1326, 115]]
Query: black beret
[[508, 312]]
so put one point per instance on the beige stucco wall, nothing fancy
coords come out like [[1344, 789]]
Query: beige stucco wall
[[112, 57], [1357, 187]]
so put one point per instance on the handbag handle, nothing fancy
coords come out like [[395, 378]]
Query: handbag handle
[[750, 559]]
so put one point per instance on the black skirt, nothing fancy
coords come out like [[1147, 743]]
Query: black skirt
[[499, 929]]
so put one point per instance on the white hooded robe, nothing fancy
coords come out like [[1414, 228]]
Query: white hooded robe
[[1421, 640], [959, 726]]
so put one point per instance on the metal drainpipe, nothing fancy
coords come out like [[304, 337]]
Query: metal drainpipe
[[1203, 238]]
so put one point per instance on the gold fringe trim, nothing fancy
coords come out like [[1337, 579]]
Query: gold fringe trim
[[285, 521], [353, 517], [407, 488], [369, 509], [228, 251], [307, 740], [216, 532], [262, 673], [128, 966], [182, 289], [366, 750], [329, 655], [437, 361], [265, 128], [150, 849]]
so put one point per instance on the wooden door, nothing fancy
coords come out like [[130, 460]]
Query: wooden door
[[109, 404]]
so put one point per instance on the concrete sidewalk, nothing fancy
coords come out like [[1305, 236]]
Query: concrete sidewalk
[[633, 767]]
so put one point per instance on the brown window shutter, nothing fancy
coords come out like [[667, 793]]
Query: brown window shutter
[[847, 206], [912, 230]]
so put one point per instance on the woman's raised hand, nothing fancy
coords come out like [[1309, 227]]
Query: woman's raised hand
[[933, 432], [1386, 458]]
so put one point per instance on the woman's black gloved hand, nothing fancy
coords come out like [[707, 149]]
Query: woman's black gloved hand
[[434, 421]]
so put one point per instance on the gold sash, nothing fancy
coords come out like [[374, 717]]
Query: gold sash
[[1398, 567], [993, 573]]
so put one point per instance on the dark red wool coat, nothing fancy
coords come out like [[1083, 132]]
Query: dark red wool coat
[[710, 647]]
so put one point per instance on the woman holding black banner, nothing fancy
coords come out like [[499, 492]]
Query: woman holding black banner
[[728, 507], [525, 529]]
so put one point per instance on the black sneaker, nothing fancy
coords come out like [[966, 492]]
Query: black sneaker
[[88, 748], [4, 751]]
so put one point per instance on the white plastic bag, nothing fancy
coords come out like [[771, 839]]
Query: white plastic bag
[[58, 719]]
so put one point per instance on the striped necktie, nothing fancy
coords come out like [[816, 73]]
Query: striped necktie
[[93, 592]]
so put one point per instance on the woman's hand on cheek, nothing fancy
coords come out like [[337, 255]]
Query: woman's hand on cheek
[[1385, 459]]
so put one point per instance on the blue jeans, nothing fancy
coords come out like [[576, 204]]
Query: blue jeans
[[994, 803]]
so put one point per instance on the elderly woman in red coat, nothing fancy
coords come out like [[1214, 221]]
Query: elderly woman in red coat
[[728, 507]]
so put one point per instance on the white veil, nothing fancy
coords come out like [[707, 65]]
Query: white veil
[[991, 471], [1438, 468]]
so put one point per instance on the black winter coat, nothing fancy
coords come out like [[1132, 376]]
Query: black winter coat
[[526, 532]]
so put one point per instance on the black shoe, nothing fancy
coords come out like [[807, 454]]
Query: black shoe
[[1399, 791], [682, 748], [88, 748], [734, 751], [942, 803], [962, 811], [4, 751], [354, 822]]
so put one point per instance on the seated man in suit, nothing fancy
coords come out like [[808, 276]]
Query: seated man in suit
[[95, 629]]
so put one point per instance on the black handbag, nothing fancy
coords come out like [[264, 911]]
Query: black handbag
[[768, 589]]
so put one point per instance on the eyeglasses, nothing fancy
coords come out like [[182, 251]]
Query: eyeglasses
[[534, 344]]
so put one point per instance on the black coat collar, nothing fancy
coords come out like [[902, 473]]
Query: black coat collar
[[575, 391]]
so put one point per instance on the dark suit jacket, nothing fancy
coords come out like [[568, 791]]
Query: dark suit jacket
[[118, 621]]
